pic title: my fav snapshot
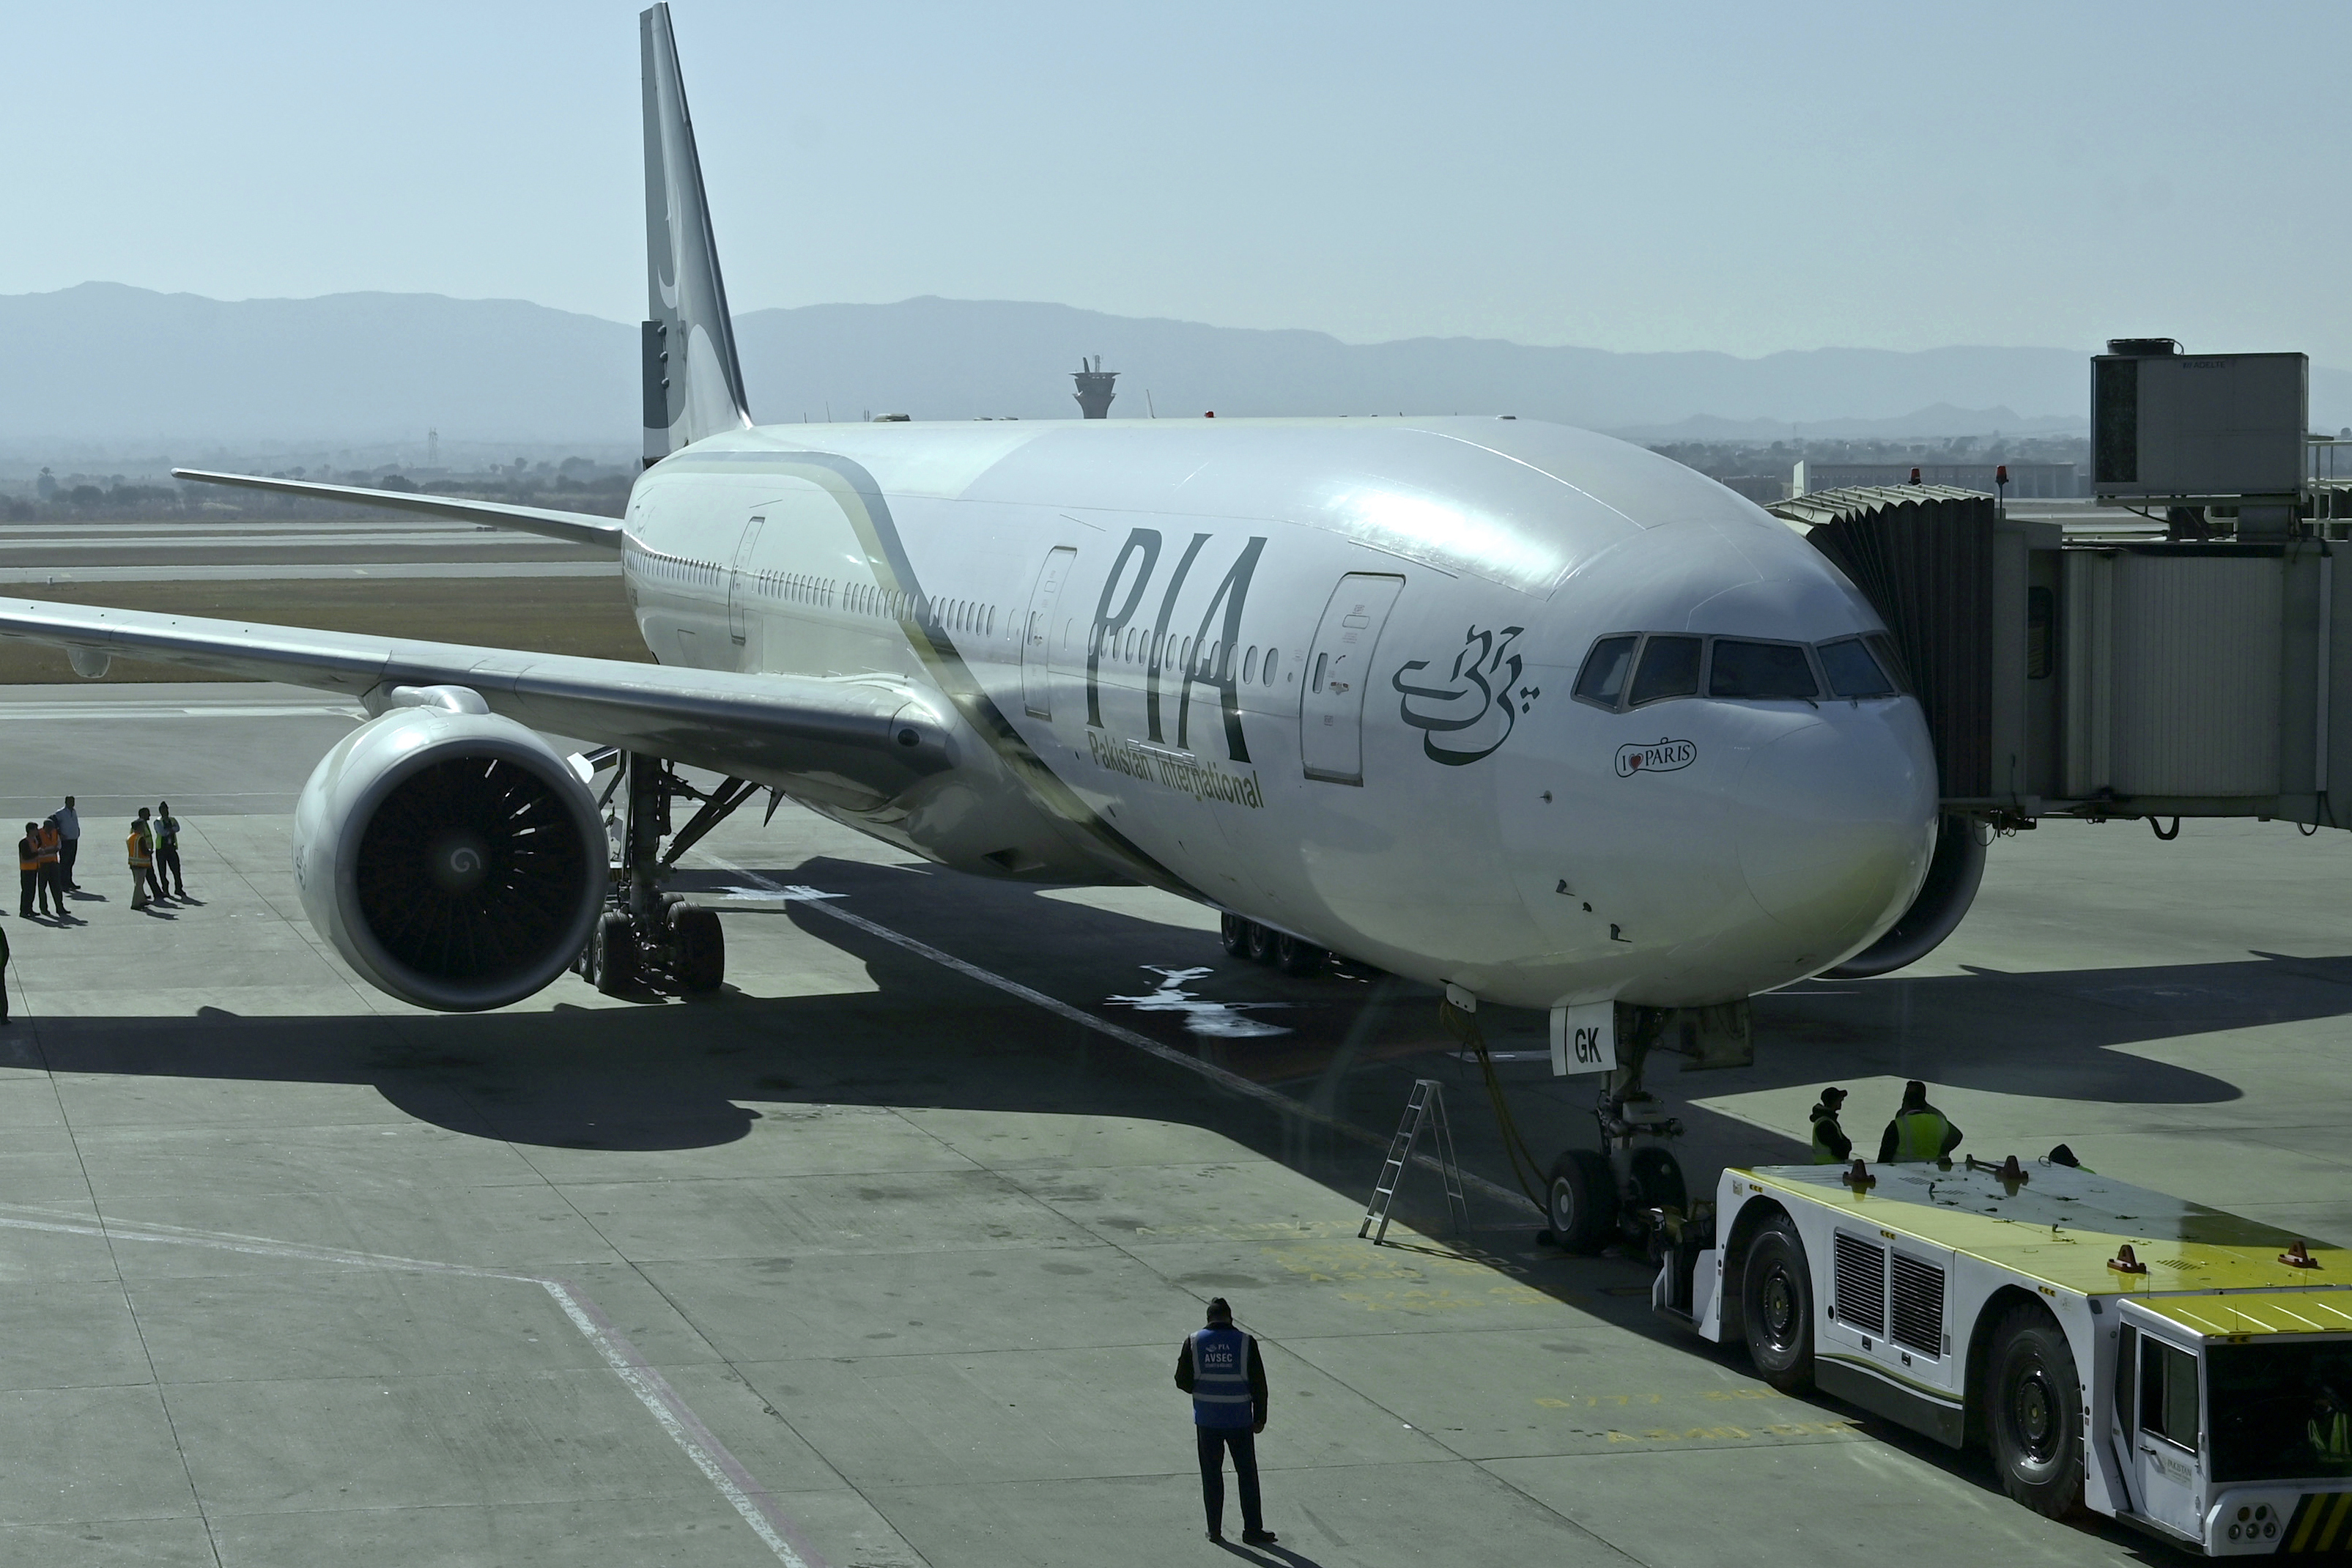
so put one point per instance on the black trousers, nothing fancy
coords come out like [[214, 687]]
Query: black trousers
[[1213, 1441], [67, 849], [27, 884], [167, 866]]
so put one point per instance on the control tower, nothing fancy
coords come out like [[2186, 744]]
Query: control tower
[[1093, 394]]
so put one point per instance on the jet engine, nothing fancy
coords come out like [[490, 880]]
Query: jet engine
[[452, 858], [1943, 903]]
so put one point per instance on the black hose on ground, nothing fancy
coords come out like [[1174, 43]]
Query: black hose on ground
[[1526, 1169]]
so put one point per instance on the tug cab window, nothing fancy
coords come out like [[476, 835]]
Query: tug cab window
[[1602, 679], [1669, 668], [1761, 669], [1851, 672], [2168, 1392]]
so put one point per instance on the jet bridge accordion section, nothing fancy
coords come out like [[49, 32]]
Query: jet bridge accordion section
[[1923, 554], [2102, 678]]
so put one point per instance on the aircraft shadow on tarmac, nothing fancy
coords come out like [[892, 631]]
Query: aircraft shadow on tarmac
[[685, 1076]]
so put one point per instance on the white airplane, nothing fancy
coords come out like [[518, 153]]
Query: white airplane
[[1513, 708]]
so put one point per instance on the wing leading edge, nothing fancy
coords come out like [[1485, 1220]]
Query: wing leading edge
[[851, 744], [573, 527]]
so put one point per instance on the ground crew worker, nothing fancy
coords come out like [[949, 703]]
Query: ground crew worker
[[1221, 1369], [68, 822], [1831, 1145], [52, 877], [167, 851], [3, 976], [139, 845], [1919, 1132], [2329, 1432], [30, 883]]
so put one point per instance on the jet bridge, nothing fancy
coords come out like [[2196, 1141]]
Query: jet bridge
[[2105, 677]]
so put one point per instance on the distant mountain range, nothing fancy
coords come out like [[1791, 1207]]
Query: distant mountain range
[[136, 370]]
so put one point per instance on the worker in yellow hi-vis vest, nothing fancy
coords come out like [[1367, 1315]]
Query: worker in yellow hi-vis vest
[[1919, 1132], [139, 845], [1831, 1145]]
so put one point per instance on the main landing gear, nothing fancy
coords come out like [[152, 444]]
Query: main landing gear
[[1263, 945], [1630, 1190], [647, 939]]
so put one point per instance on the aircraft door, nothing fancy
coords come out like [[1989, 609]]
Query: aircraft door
[[2160, 1410], [738, 578], [1339, 672], [1037, 633]]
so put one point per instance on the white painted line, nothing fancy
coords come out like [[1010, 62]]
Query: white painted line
[[823, 902], [668, 1409], [760, 1510]]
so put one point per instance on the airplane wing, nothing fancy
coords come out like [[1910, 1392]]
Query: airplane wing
[[854, 743], [571, 527]]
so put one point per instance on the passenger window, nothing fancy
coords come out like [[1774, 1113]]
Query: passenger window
[[1249, 666], [1761, 669], [1851, 672], [1602, 679], [1316, 684], [1273, 658], [1669, 668], [2168, 1392]]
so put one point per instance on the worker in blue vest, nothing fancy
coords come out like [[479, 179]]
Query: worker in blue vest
[[1920, 1133], [1221, 1369]]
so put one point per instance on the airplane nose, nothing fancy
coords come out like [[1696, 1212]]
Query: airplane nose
[[1835, 824]]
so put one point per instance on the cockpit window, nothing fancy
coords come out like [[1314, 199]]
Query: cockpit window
[[1669, 668], [1851, 672], [1890, 659], [1602, 679], [1760, 669]]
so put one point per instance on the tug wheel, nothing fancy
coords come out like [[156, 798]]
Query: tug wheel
[[1776, 1302], [2034, 1413]]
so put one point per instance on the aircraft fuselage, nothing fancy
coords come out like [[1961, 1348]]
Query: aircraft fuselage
[[1322, 673]]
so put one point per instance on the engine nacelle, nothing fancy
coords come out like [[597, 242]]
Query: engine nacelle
[[452, 858], [1943, 903]]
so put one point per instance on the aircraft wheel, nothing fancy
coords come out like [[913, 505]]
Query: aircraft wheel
[[1261, 943], [1235, 932], [612, 954], [700, 945], [1583, 1201], [1293, 956], [1657, 1179], [2034, 1413], [1776, 1300]]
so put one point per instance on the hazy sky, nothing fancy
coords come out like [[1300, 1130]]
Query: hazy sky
[[1741, 177]]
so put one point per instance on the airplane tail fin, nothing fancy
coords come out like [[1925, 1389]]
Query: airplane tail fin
[[693, 382]]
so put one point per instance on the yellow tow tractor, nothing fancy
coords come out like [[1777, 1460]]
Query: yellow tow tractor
[[2182, 1369]]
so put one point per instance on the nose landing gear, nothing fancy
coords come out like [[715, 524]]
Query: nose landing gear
[[1630, 1190]]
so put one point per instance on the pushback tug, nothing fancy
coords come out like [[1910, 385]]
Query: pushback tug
[[2176, 1367]]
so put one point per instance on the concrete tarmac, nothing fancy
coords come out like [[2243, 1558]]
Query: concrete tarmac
[[883, 1255]]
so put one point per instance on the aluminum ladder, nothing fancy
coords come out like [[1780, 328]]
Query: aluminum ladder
[[1425, 1111]]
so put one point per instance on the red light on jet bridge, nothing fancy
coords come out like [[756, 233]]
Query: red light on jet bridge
[[2000, 474]]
